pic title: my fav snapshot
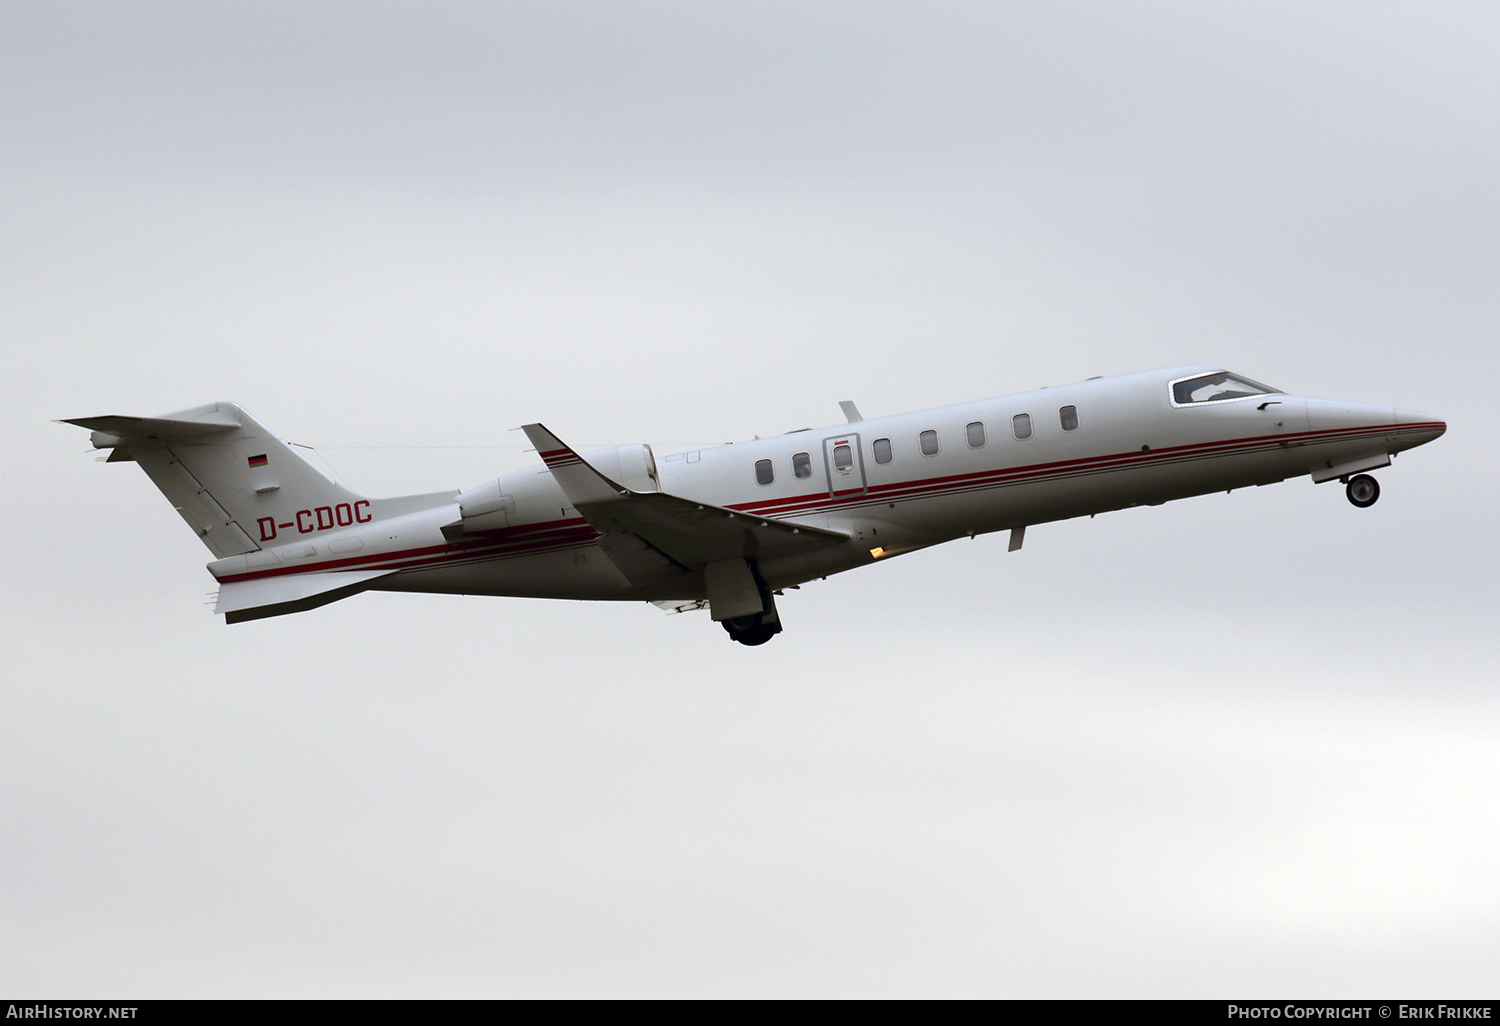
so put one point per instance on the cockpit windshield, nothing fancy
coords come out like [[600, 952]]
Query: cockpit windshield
[[1216, 387]]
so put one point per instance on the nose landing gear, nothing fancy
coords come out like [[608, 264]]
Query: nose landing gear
[[1362, 490]]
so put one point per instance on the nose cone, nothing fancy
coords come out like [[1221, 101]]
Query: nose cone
[[1414, 428]]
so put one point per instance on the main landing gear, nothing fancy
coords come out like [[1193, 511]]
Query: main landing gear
[[752, 630], [1362, 490], [737, 583]]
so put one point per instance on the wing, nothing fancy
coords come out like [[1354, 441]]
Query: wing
[[649, 535]]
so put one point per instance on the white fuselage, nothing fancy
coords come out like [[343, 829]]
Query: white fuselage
[[1098, 445]]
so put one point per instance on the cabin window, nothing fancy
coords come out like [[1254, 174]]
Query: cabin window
[[802, 465], [843, 457], [929, 440], [975, 434], [1021, 425], [1069, 417], [882, 450], [1217, 387], [764, 472]]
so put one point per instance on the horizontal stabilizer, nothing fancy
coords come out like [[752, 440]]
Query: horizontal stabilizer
[[677, 534], [112, 429], [276, 596]]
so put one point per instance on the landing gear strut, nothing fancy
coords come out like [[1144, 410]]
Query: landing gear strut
[[1363, 490], [756, 628], [740, 599]]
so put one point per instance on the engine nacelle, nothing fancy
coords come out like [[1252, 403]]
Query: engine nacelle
[[533, 496], [630, 465], [486, 507]]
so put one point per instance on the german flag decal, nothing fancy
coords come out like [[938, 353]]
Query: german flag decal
[[258, 461]]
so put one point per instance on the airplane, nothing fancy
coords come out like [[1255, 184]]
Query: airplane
[[731, 527]]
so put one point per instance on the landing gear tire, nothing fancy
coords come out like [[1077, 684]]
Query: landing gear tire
[[1363, 490], [748, 630]]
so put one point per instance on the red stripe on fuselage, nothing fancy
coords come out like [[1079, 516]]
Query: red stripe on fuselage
[[821, 502], [555, 535], [505, 543]]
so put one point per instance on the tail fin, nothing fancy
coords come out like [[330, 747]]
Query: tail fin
[[237, 484]]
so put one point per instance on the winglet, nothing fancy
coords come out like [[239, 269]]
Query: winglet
[[580, 482]]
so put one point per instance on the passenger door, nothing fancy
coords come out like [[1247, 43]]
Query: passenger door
[[846, 466]]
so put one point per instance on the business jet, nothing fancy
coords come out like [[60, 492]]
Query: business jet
[[731, 527]]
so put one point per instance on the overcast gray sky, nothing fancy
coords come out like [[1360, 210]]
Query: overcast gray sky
[[965, 772]]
